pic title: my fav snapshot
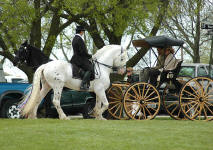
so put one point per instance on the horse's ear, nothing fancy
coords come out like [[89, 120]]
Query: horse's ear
[[25, 42]]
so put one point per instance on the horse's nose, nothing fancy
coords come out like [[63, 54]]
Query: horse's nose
[[15, 62]]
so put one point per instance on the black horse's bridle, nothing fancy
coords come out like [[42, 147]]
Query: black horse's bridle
[[23, 56]]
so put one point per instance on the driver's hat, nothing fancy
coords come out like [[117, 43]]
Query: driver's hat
[[80, 28]]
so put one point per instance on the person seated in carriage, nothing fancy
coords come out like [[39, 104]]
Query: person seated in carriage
[[81, 57], [131, 77], [165, 62]]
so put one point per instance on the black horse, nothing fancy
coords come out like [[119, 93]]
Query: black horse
[[31, 55]]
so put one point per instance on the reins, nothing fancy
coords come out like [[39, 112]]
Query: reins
[[94, 61], [108, 66]]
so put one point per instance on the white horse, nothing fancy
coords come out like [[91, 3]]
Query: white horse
[[58, 74]]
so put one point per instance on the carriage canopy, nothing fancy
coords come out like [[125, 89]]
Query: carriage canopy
[[157, 41]]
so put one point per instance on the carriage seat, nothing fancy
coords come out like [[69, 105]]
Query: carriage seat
[[170, 75], [174, 73]]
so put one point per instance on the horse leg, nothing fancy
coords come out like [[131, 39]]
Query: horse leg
[[102, 100], [105, 105], [56, 102], [96, 108], [45, 89]]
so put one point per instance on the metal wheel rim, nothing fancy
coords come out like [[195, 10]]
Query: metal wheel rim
[[13, 112]]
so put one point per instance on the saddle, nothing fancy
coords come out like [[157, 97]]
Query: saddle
[[78, 73]]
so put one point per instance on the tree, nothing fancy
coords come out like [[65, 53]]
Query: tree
[[156, 24], [21, 19], [184, 22], [42, 21]]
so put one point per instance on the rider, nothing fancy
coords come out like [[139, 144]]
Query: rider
[[81, 57]]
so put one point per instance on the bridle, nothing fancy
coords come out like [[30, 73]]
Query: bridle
[[23, 56], [108, 66]]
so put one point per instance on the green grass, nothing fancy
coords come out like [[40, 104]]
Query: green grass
[[79, 134]]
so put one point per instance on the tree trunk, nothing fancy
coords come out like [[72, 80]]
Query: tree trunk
[[35, 35], [53, 32], [196, 58]]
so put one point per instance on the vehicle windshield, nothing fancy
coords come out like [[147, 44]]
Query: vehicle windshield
[[187, 71], [211, 71]]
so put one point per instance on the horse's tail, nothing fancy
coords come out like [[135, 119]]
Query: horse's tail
[[35, 92], [25, 97]]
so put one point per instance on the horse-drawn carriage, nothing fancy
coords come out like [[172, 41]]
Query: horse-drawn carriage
[[192, 99]]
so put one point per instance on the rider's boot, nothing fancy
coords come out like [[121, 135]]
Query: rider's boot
[[85, 81]]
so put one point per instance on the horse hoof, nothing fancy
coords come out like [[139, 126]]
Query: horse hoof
[[93, 114], [31, 117], [64, 118], [67, 118], [100, 118]]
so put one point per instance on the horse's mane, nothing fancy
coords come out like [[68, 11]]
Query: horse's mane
[[104, 49], [36, 52], [34, 48], [36, 57]]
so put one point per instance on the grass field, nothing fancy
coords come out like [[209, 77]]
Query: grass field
[[80, 134]]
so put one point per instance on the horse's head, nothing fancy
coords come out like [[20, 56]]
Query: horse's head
[[21, 54], [113, 57], [120, 61]]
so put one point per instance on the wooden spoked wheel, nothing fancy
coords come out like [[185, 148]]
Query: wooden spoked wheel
[[171, 100], [183, 79], [142, 101], [115, 98], [196, 99], [171, 104]]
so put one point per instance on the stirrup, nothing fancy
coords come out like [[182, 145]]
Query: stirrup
[[84, 87]]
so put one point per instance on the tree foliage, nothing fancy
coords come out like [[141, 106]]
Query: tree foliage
[[42, 21], [183, 22]]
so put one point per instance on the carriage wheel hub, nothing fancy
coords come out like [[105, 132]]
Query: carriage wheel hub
[[201, 99], [141, 101]]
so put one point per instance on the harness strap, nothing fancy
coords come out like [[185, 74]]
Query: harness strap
[[108, 66]]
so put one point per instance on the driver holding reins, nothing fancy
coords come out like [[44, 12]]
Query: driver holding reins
[[166, 61], [81, 57]]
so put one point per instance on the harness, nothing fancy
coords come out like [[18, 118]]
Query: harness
[[94, 61], [108, 66]]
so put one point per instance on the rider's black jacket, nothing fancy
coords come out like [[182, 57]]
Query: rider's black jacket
[[80, 56]]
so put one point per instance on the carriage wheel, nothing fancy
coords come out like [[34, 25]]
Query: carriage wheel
[[115, 98], [183, 79], [196, 99], [142, 101], [171, 100]]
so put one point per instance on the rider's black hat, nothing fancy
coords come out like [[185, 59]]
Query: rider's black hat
[[80, 28]]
